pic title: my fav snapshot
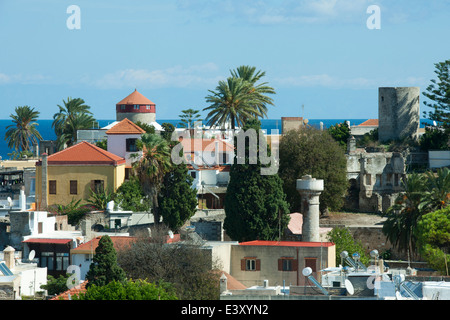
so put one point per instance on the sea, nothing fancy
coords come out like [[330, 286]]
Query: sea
[[48, 133]]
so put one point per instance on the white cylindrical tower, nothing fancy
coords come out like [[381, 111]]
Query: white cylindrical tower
[[310, 190]]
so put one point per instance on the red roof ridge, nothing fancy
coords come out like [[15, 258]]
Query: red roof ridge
[[66, 156], [287, 243], [125, 126]]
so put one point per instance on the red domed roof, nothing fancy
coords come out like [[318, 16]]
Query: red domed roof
[[136, 98]]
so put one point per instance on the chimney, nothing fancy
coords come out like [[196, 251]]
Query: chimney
[[22, 200], [216, 153], [223, 283], [8, 256], [44, 177]]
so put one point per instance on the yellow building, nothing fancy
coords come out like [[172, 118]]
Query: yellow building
[[73, 172]]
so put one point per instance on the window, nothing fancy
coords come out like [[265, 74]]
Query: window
[[73, 187], [52, 187], [287, 264], [311, 262], [62, 261], [47, 260], [122, 107], [193, 174], [136, 107], [131, 145], [250, 264], [97, 186], [147, 107]]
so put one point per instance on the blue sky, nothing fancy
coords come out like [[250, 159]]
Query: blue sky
[[319, 54]]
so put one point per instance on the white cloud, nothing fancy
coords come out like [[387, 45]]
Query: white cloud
[[22, 79], [335, 82], [176, 76]]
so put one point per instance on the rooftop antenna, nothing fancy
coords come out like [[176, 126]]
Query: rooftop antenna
[[307, 272]]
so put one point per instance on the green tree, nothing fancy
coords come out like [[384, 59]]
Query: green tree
[[152, 167], [75, 211], [344, 241], [403, 216], [100, 198], [128, 290], [102, 144], [186, 265], [23, 132], [433, 233], [104, 267], [255, 205], [316, 153], [130, 196], [73, 115], [438, 92], [189, 117], [177, 199], [148, 128], [57, 285], [434, 139], [340, 132], [167, 133]]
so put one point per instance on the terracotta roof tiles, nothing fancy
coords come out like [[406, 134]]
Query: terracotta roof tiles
[[126, 127], [84, 153], [135, 98]]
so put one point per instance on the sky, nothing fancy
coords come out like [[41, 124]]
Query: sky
[[323, 57]]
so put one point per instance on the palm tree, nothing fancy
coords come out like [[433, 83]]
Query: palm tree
[[231, 103], [152, 167], [72, 116], [249, 74], [403, 216], [239, 98], [23, 130], [438, 185]]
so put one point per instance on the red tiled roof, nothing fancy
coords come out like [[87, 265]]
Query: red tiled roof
[[84, 153], [286, 243], [126, 127], [119, 242], [369, 123], [135, 98], [81, 288], [56, 241], [191, 145], [232, 282]]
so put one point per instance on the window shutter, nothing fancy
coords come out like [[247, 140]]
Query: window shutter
[[258, 264], [294, 265], [280, 264], [243, 264]]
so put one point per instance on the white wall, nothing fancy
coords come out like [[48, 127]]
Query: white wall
[[31, 281], [439, 159], [79, 260], [117, 145], [36, 217]]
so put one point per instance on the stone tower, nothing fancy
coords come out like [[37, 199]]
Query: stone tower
[[398, 113], [136, 107]]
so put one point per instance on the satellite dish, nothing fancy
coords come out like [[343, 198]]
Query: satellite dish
[[344, 254], [374, 253], [31, 255], [349, 287], [307, 271]]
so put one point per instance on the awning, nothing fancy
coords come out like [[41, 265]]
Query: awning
[[53, 241]]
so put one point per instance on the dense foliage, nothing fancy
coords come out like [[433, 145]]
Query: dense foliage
[[344, 241], [309, 151], [104, 267], [128, 290], [255, 205]]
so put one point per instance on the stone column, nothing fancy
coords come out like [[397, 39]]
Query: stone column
[[310, 190]]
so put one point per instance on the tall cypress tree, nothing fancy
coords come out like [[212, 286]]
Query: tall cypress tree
[[255, 205], [178, 200], [104, 267]]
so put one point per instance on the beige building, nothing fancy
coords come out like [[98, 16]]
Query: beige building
[[279, 262], [73, 172]]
